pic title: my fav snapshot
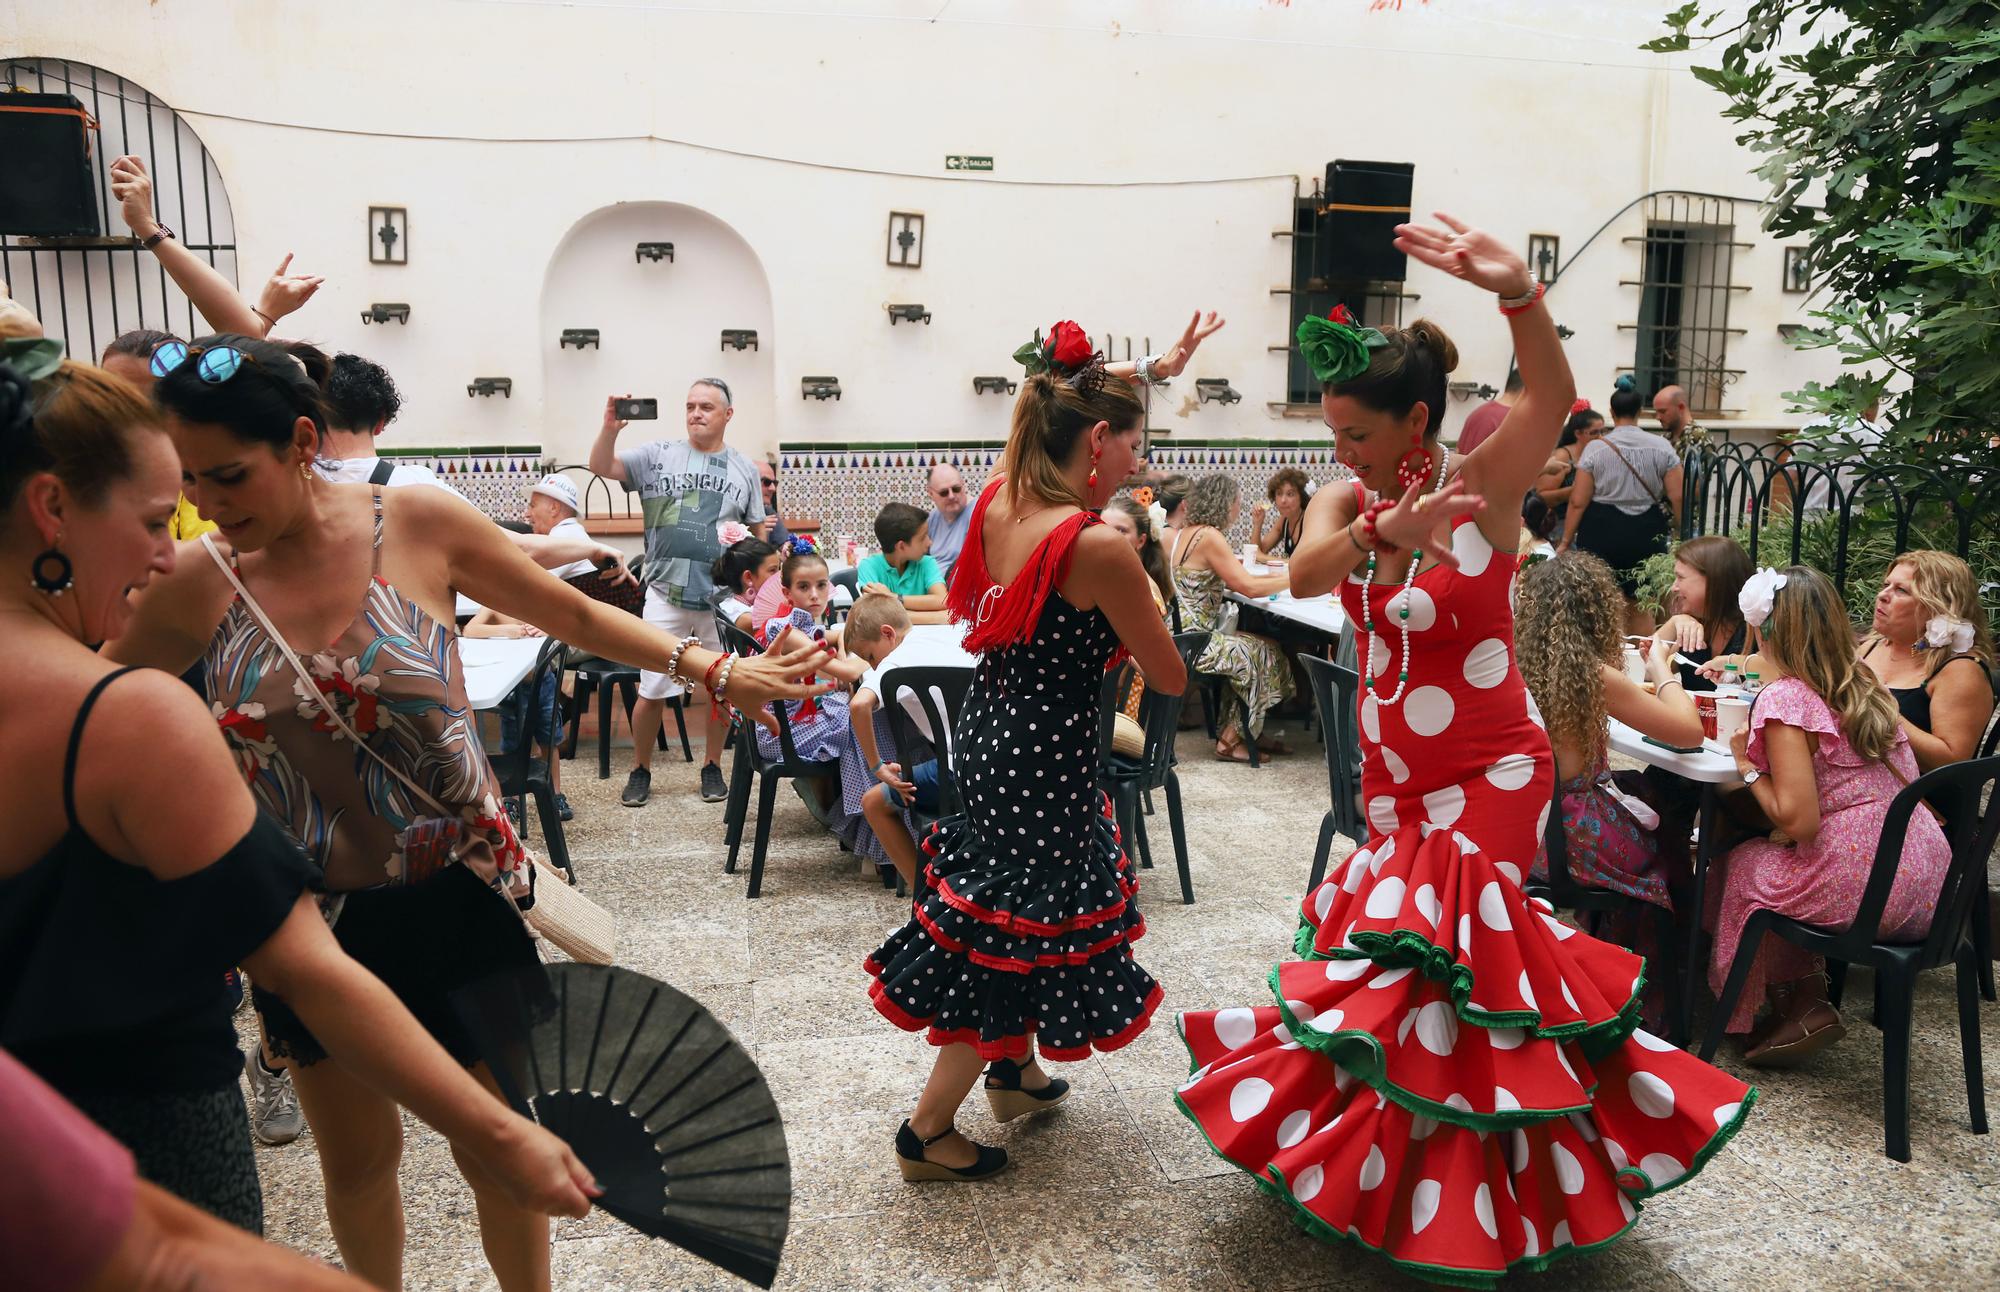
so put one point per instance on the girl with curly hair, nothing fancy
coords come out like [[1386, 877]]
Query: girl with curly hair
[[1568, 617]]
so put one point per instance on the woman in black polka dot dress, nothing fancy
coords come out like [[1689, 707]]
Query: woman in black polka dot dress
[[1020, 929]]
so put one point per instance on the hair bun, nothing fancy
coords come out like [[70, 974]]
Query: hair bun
[[1626, 381], [1434, 339]]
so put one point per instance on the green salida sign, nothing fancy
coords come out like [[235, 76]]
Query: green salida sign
[[965, 161]]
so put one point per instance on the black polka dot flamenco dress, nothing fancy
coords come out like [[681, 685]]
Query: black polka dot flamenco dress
[[1025, 909]]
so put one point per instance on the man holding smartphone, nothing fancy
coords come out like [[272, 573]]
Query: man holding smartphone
[[686, 489]]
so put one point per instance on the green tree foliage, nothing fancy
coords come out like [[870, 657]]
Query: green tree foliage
[[1893, 111]]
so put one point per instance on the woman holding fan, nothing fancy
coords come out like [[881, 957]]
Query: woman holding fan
[[1451, 1076]]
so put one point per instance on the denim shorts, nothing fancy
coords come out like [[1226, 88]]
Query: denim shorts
[[924, 777], [539, 714]]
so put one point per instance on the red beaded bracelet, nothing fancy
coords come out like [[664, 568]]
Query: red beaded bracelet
[[1368, 517], [1526, 303]]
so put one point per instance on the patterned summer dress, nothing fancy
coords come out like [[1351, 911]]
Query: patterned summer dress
[[1023, 918], [1452, 1076], [1255, 666], [1821, 882], [394, 674]]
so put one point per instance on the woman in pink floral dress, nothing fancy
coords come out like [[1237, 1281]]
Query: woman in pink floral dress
[[1824, 754]]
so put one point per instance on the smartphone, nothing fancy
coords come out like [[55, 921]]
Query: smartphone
[[1678, 749], [637, 410]]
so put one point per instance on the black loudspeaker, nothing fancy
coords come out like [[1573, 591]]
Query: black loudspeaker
[[46, 190], [1365, 201]]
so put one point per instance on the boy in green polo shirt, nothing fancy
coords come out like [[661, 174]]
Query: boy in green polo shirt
[[904, 566]]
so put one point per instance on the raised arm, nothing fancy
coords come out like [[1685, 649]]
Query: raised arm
[[1507, 462], [212, 294], [604, 449], [481, 563], [1174, 360]]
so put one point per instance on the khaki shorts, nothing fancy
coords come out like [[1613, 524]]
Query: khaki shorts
[[681, 622]]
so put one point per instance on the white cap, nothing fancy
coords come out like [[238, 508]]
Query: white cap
[[560, 488]]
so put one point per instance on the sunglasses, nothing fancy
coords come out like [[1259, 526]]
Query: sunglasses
[[950, 489], [213, 364]]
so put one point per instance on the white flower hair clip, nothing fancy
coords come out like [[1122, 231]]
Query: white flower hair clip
[[1759, 591], [1944, 632]]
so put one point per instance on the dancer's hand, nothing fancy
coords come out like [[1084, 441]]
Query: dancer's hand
[[538, 1171], [132, 189], [1465, 252], [756, 680], [1199, 329], [1426, 522], [285, 292]]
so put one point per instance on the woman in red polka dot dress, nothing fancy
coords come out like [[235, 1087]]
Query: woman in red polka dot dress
[[1451, 1076]]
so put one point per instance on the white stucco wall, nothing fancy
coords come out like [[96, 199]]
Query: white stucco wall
[[1144, 153]]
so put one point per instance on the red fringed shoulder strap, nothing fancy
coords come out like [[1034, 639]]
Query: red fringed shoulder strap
[[998, 616]]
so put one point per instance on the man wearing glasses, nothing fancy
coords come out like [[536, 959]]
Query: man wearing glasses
[[952, 517], [773, 531]]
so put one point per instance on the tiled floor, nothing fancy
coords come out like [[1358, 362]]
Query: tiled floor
[[1116, 1190]]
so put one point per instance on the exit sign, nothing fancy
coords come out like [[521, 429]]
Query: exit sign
[[962, 161]]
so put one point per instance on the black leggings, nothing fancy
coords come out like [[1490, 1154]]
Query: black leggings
[[195, 1146]]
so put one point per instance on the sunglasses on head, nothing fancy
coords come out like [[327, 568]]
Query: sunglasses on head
[[213, 364]]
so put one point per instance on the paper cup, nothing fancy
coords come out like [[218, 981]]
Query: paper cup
[[1249, 554], [1732, 714], [1704, 704], [1635, 665]]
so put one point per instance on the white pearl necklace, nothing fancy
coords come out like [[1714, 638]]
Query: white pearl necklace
[[1368, 605]]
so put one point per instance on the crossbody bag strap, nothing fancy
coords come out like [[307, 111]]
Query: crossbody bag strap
[[1658, 498], [313, 693]]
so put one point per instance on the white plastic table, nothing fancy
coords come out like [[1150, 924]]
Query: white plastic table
[[1712, 770], [1321, 614], [494, 666]]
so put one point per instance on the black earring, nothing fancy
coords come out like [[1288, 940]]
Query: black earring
[[54, 584]]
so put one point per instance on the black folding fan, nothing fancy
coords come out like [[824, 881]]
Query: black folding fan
[[670, 1114]]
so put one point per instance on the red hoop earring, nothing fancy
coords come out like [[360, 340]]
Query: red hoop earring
[[1414, 467], [1095, 454]]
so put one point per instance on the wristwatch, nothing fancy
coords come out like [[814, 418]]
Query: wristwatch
[[1752, 776], [160, 235]]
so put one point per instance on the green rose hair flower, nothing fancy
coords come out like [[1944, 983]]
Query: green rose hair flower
[[1335, 347]]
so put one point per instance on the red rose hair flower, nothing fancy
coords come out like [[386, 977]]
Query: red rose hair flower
[[1069, 346]]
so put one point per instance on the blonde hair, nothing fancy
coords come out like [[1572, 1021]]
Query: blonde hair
[[1809, 636], [1152, 555], [873, 611], [1568, 621], [1943, 585], [1050, 415]]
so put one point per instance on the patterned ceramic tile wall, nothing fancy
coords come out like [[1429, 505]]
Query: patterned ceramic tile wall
[[844, 486], [495, 480]]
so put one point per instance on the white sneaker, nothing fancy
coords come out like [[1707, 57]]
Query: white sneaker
[[274, 1106]]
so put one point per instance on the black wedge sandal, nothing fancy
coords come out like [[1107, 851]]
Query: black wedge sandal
[[1009, 1101], [917, 1167]]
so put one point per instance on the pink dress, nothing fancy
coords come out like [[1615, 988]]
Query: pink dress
[[1821, 882]]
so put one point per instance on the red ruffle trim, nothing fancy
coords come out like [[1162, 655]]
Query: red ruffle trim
[[1018, 925], [1012, 1047], [1053, 960], [1012, 617]]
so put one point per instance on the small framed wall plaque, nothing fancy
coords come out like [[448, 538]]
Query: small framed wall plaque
[[388, 235], [906, 240]]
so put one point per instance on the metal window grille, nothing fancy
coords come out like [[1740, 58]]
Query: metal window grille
[[1375, 304], [1683, 330], [88, 290]]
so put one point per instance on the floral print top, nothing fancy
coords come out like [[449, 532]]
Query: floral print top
[[394, 674]]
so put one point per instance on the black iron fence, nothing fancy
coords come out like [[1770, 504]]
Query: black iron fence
[[1845, 512]]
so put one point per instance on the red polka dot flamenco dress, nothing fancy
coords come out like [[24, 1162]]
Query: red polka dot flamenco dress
[[1452, 1076]]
